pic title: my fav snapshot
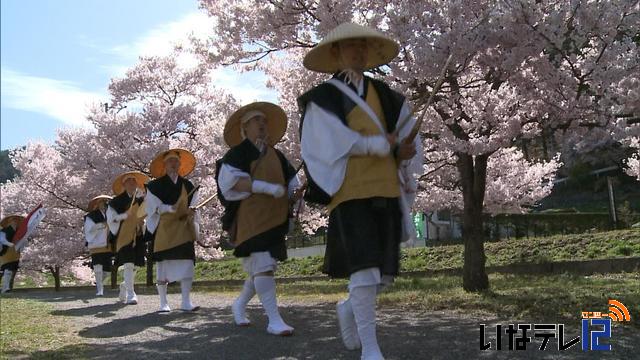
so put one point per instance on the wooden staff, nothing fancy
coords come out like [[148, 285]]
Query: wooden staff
[[205, 202], [416, 128], [192, 191]]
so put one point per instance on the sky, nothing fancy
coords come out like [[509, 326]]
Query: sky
[[58, 56]]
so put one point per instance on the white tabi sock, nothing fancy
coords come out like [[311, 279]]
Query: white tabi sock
[[240, 304], [129, 275], [185, 286], [99, 274], [162, 292], [6, 280], [122, 295], [363, 302], [266, 289], [347, 324]]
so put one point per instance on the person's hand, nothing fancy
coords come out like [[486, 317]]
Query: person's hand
[[378, 145], [164, 208], [406, 150], [263, 187], [391, 138]]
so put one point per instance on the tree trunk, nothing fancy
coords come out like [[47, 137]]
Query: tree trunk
[[55, 271], [545, 149], [149, 264], [473, 179]]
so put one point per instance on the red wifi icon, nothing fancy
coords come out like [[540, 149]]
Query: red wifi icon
[[618, 312]]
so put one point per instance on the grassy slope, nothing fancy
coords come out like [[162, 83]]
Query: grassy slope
[[535, 250], [28, 328], [556, 248]]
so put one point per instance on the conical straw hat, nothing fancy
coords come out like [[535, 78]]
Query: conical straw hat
[[118, 183], [11, 218], [93, 204], [276, 122], [187, 162], [382, 49]]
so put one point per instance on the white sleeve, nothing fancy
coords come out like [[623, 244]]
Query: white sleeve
[[227, 179], [195, 198], [113, 220], [3, 239], [152, 208], [326, 144], [89, 230], [408, 171]]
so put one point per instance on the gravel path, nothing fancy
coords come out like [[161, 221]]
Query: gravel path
[[115, 331]]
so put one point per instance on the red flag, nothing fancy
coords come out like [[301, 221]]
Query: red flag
[[24, 226]]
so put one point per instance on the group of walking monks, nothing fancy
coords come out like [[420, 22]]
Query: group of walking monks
[[359, 161]]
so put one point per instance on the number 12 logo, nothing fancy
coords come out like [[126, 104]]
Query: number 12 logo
[[590, 338]]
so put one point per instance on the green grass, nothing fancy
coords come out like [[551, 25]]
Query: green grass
[[554, 297], [587, 246], [534, 250], [27, 328]]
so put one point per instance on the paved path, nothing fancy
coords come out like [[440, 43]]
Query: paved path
[[115, 331]]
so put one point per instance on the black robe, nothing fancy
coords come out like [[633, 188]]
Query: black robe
[[104, 259], [362, 233], [9, 232], [164, 189], [332, 100], [273, 240], [129, 253]]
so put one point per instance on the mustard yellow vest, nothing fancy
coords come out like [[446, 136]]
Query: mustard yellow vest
[[175, 229], [259, 212], [129, 228], [368, 176], [11, 255]]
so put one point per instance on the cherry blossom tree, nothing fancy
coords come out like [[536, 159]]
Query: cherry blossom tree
[[633, 162], [44, 178], [519, 67], [158, 104]]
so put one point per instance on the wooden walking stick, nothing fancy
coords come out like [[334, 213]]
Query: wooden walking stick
[[427, 103]]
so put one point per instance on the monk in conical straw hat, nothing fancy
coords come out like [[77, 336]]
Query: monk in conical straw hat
[[9, 257], [172, 223], [126, 228], [352, 160], [96, 235], [255, 182]]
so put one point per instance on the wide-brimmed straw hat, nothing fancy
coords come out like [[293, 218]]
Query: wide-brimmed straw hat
[[186, 157], [118, 183], [382, 49], [11, 218], [93, 203], [276, 122]]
